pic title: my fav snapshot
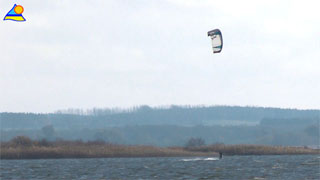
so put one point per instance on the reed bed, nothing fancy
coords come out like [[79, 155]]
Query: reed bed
[[24, 148], [244, 149]]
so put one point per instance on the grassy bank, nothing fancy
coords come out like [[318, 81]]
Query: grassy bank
[[24, 148], [243, 149]]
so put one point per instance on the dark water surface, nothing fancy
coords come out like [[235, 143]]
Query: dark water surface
[[230, 167]]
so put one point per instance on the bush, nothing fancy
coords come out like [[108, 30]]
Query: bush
[[21, 141], [44, 143], [48, 132]]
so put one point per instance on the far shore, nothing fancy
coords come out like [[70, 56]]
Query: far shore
[[24, 148]]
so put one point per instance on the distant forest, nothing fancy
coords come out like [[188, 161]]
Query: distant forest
[[169, 126], [145, 115]]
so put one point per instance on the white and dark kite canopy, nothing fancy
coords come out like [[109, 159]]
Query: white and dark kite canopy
[[216, 38]]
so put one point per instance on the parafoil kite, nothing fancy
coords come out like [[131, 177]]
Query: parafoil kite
[[216, 38]]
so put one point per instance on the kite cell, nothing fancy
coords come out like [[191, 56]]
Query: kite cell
[[15, 14], [216, 38]]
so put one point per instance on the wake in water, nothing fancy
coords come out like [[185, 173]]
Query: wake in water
[[200, 159]]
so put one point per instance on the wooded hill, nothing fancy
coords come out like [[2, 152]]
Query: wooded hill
[[145, 115]]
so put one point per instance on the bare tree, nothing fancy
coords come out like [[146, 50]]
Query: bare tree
[[195, 142], [48, 132]]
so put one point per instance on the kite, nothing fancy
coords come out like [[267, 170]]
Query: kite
[[15, 14], [216, 38]]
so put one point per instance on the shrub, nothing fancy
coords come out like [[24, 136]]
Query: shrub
[[44, 143], [21, 141], [48, 131]]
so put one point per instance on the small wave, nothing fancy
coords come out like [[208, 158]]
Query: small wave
[[258, 178], [200, 159], [310, 163], [258, 161], [211, 159]]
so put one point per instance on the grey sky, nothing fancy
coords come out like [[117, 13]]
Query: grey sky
[[107, 53]]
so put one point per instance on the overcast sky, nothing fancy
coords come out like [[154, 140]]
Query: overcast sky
[[122, 53]]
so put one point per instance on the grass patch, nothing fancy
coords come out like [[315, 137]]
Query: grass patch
[[244, 149], [23, 148]]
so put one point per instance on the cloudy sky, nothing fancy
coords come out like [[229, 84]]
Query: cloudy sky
[[121, 53]]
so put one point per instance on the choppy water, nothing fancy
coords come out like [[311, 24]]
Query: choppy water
[[230, 167]]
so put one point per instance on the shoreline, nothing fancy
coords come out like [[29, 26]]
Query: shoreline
[[24, 148], [113, 151], [119, 157]]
